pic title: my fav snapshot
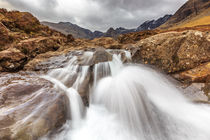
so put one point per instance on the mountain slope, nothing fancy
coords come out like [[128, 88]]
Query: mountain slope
[[147, 25], [79, 32], [75, 30], [152, 24], [192, 13]]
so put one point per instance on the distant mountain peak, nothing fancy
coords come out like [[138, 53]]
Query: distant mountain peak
[[152, 24], [79, 32]]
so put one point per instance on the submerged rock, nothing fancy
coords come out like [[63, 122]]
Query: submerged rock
[[30, 107], [195, 92], [99, 55]]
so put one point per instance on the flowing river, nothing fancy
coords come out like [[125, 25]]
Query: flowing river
[[126, 102]]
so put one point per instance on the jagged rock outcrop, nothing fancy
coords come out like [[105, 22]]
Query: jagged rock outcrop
[[22, 38], [30, 107]]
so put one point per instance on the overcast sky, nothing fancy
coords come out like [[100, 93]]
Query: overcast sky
[[96, 14]]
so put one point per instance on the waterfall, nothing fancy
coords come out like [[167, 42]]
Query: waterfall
[[126, 102]]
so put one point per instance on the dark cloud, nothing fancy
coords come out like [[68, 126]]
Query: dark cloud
[[98, 14]]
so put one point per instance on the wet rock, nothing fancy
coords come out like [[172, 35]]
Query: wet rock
[[84, 88], [46, 63], [195, 92], [206, 90], [51, 60], [174, 51], [100, 55], [30, 107]]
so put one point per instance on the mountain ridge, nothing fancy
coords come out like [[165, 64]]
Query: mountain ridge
[[80, 32], [192, 13]]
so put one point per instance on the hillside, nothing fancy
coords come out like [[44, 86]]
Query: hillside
[[192, 13], [22, 38], [75, 30], [79, 32]]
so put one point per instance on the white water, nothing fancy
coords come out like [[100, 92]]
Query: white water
[[129, 103]]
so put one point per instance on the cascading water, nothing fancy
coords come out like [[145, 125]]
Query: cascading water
[[127, 103]]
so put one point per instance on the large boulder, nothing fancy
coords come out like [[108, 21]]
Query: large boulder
[[174, 51], [101, 55], [51, 60], [30, 107]]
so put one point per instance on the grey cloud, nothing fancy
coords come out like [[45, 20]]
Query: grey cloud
[[110, 13], [44, 10], [130, 4]]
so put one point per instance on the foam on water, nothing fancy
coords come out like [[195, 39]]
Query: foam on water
[[128, 103]]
